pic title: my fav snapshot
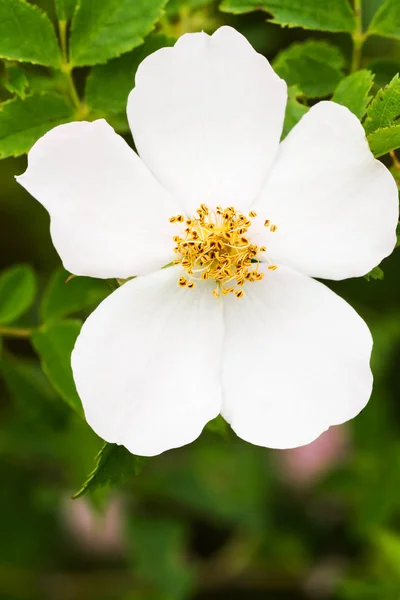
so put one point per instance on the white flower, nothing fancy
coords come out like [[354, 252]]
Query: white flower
[[158, 359]]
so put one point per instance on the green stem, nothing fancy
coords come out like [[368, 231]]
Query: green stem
[[66, 68], [358, 37], [15, 332], [395, 160]]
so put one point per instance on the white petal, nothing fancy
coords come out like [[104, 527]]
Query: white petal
[[109, 215], [207, 116], [335, 205], [147, 361], [296, 360]]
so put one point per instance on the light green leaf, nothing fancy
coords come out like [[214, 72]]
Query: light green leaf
[[332, 15], [353, 92], [65, 9], [384, 109], [17, 292], [314, 66], [54, 343], [384, 140], [388, 546], [108, 85], [174, 7], [62, 298], [23, 122], [27, 35], [376, 273], [161, 541], [106, 29], [114, 466], [386, 21], [16, 81], [294, 110]]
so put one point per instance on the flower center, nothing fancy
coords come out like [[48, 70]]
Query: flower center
[[215, 245]]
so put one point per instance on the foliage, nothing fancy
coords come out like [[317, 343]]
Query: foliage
[[23, 121], [219, 518], [354, 92], [17, 292], [122, 23], [324, 16], [316, 67], [26, 34]]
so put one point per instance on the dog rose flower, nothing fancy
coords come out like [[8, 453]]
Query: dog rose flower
[[234, 324]]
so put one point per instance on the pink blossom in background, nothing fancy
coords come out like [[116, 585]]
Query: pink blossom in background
[[303, 465], [95, 532]]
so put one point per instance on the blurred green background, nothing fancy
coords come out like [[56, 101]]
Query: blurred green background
[[219, 519]]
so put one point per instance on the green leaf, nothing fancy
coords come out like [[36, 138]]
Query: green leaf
[[294, 110], [174, 7], [17, 292], [388, 546], [108, 85], [27, 35], [161, 541], [106, 29], [384, 70], [62, 298], [23, 122], [384, 109], [376, 273], [386, 21], [218, 426], [54, 343], [16, 81], [332, 15], [353, 92], [384, 140], [65, 9], [32, 392], [114, 466], [314, 66]]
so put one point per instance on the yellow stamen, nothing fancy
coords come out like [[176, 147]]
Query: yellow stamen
[[215, 244]]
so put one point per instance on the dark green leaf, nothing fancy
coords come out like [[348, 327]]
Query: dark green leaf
[[218, 426], [332, 15], [384, 70], [54, 343], [386, 21], [32, 392], [108, 85], [314, 66], [106, 29], [62, 298], [384, 140], [206, 480], [384, 109], [114, 466], [23, 122], [16, 81], [162, 542], [353, 92], [294, 110], [65, 9], [26, 34], [17, 292], [376, 273]]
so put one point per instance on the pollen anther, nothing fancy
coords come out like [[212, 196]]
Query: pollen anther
[[215, 245]]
